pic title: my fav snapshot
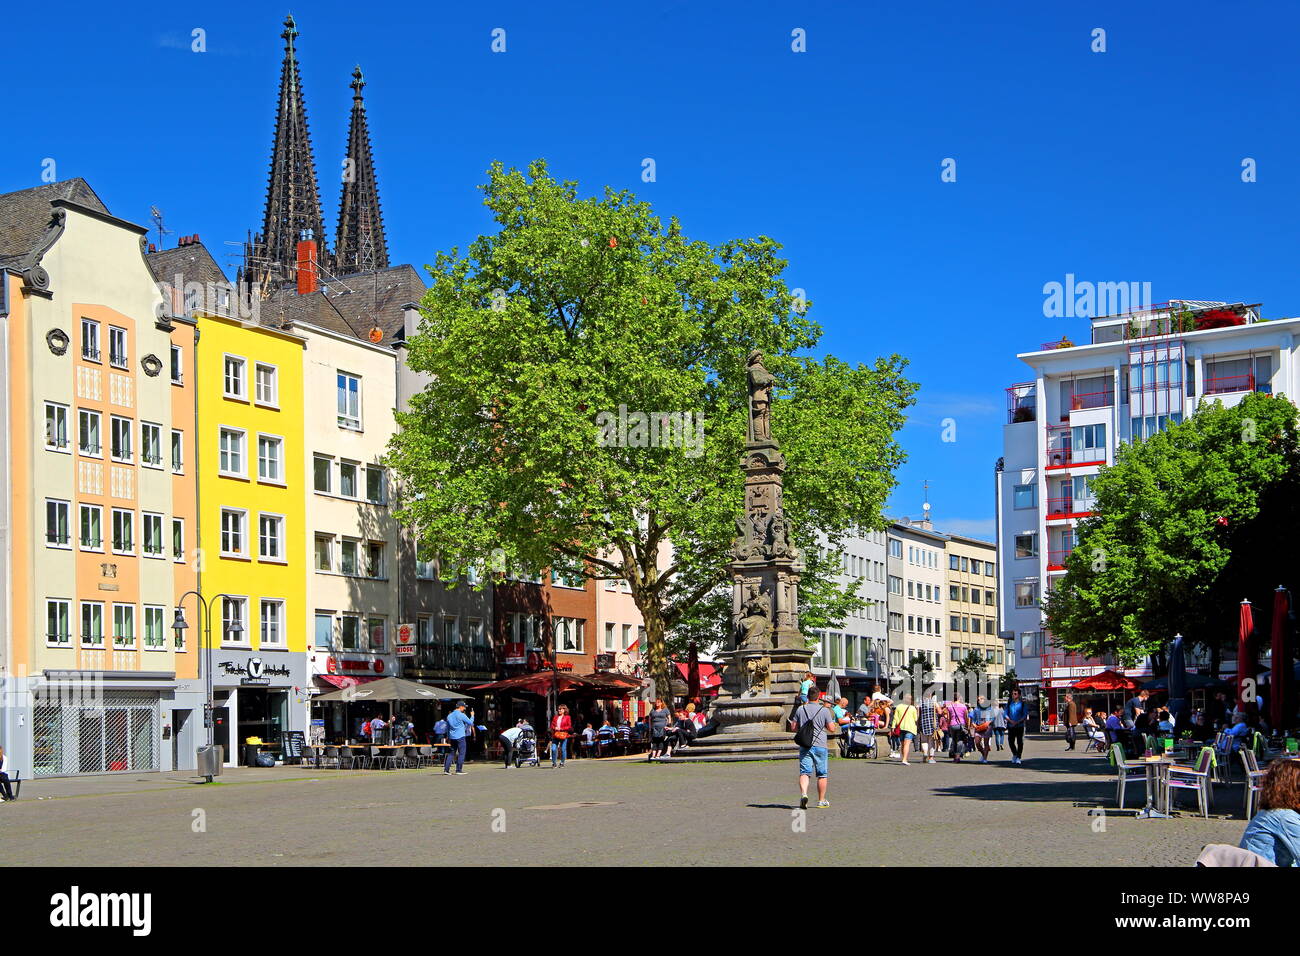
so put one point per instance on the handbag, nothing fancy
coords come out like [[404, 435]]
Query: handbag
[[982, 728]]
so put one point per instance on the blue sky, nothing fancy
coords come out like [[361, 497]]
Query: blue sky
[[1115, 166]]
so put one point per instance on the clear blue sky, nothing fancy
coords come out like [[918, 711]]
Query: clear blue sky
[[1115, 166]]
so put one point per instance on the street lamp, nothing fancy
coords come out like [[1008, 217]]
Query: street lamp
[[233, 630]]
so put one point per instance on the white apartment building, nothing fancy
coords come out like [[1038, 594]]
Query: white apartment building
[[1137, 373], [856, 653], [916, 571]]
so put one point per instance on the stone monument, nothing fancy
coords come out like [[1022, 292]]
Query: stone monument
[[766, 656]]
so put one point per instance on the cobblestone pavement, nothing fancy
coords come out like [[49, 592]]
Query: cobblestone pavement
[[611, 811]]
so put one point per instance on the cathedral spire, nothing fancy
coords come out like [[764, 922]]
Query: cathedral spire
[[360, 245], [293, 209]]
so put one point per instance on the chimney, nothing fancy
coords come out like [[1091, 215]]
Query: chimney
[[307, 275]]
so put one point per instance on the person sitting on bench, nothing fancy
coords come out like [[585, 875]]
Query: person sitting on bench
[[6, 792]]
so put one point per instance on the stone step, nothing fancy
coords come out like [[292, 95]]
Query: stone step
[[729, 757]]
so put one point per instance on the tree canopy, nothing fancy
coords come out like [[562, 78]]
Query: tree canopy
[[1186, 524], [548, 339]]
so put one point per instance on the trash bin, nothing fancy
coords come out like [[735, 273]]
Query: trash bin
[[250, 755], [210, 760]]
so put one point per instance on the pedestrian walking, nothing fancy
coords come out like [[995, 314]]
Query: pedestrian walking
[[1017, 715], [659, 719], [945, 724], [1071, 716], [904, 728], [980, 723], [957, 715], [928, 726], [561, 727], [460, 727], [810, 723], [999, 724]]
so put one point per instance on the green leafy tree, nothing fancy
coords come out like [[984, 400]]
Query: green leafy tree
[[1186, 524], [578, 308]]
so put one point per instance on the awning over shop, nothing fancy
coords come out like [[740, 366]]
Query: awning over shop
[[709, 676], [340, 680], [1106, 680], [542, 682]]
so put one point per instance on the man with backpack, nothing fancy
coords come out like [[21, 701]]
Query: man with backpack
[[810, 722]]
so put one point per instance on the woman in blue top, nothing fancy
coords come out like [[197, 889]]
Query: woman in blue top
[[1274, 832], [1017, 714]]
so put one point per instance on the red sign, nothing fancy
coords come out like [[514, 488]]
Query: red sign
[[379, 666], [332, 666], [515, 654]]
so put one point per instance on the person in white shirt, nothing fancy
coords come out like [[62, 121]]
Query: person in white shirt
[[508, 738], [6, 792]]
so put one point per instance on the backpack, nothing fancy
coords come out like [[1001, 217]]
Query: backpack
[[441, 728], [804, 735], [365, 729]]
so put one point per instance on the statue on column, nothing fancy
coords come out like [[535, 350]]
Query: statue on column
[[761, 382], [755, 629]]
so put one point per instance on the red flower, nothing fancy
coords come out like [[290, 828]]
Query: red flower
[[613, 243]]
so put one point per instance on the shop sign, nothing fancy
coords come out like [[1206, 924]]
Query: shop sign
[[515, 654], [404, 641], [256, 673], [604, 662]]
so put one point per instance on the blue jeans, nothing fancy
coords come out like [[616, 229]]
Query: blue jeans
[[812, 759], [458, 751], [999, 736], [563, 746]]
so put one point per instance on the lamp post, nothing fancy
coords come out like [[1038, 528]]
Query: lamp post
[[233, 629]]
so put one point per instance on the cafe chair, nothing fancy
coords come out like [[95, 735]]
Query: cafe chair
[[348, 756], [1196, 778], [1254, 780], [1125, 770], [308, 757], [390, 759]]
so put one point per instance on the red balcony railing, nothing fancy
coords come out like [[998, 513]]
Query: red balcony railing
[[1221, 384], [1084, 400], [1058, 506], [1056, 559]]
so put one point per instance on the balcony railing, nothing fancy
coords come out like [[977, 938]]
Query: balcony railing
[[1056, 559], [1222, 384], [1022, 401], [454, 657], [1084, 400]]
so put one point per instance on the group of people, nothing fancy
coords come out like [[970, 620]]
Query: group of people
[[401, 730]]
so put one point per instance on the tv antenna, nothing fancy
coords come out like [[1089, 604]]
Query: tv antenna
[[156, 216]]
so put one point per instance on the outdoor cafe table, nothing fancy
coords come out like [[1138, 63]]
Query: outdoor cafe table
[[1157, 772]]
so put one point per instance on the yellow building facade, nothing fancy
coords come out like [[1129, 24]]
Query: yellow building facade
[[252, 525]]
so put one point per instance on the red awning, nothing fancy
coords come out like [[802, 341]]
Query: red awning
[[541, 684], [341, 680], [1106, 680], [709, 676]]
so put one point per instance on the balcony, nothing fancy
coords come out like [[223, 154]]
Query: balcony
[[457, 658], [1085, 400], [1223, 384], [1056, 559], [1067, 507], [1022, 402]]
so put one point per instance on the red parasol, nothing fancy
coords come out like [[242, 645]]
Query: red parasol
[[692, 673], [1245, 654]]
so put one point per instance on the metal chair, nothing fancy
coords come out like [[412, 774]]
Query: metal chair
[[392, 759], [1254, 778], [350, 756], [309, 756], [1096, 740], [330, 754], [1196, 778], [1125, 770]]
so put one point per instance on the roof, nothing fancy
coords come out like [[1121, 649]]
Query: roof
[[351, 305], [25, 214], [193, 263]]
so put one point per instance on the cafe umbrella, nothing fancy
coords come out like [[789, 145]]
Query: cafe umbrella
[[389, 689], [1245, 654], [1281, 690], [1177, 680]]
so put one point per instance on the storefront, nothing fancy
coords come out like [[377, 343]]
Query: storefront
[[257, 694]]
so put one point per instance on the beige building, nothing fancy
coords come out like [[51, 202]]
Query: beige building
[[971, 604]]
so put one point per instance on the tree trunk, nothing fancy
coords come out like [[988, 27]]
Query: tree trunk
[[655, 650]]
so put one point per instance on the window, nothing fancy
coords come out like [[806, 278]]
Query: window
[[120, 437], [1027, 593], [92, 623], [1027, 545], [92, 535], [324, 549], [266, 385], [424, 564], [954, 592], [88, 432], [1031, 643], [974, 566], [324, 630], [151, 444], [268, 458], [1083, 496], [56, 523], [476, 636], [347, 479], [272, 624], [234, 377], [153, 628], [234, 627], [123, 531], [177, 365], [1088, 442], [1026, 496], [349, 401], [57, 624], [895, 584], [989, 569], [374, 484], [270, 536], [321, 467], [178, 539], [562, 579], [232, 452], [351, 633], [232, 532], [895, 621], [568, 635], [609, 636], [178, 451], [952, 562], [151, 534], [124, 625], [90, 340], [954, 623], [895, 548], [348, 556], [56, 426], [375, 559], [988, 598], [117, 346], [378, 628]]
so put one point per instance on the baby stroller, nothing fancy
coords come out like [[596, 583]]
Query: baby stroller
[[858, 740], [526, 748]]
